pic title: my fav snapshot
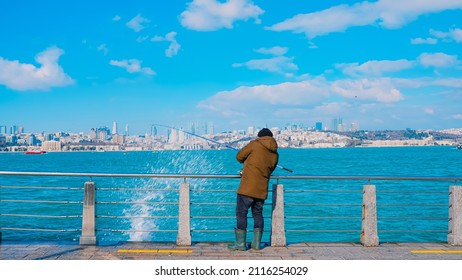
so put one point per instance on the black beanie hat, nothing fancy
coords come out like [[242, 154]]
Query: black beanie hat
[[265, 132]]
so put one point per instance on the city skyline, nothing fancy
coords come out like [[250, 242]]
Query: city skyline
[[192, 127], [80, 64]]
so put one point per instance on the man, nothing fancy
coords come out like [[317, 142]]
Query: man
[[260, 158]]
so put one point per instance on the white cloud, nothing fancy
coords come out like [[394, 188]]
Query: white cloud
[[132, 66], [116, 18], [454, 83], [374, 67], [456, 34], [453, 35], [365, 100], [395, 14], [278, 64], [23, 76], [103, 48], [377, 68], [141, 39], [174, 46], [438, 60], [310, 93], [422, 41], [381, 89], [245, 98], [429, 111], [335, 19], [210, 15], [387, 13], [276, 51], [137, 23], [331, 109]]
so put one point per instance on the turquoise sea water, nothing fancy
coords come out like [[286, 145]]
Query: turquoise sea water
[[316, 211]]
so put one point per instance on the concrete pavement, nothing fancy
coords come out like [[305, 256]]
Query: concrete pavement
[[219, 251]]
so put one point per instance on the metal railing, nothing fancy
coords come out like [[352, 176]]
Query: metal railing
[[93, 209]]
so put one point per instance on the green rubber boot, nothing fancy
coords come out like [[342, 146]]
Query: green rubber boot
[[239, 244], [257, 234]]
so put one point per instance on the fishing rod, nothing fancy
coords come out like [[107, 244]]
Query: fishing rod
[[213, 141]]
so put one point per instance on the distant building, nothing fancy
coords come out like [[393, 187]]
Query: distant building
[[93, 134], [14, 130], [31, 140], [102, 133], [354, 127], [337, 125], [181, 135], [114, 128], [194, 127], [210, 129], [251, 130], [119, 139], [48, 137], [51, 146], [318, 126], [334, 125], [126, 130], [153, 130], [172, 136]]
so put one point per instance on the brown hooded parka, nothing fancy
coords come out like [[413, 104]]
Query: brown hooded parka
[[260, 158]]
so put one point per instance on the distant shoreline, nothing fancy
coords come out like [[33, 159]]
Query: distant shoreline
[[280, 148]]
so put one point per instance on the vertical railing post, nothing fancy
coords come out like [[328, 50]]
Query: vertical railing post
[[369, 235], [278, 235], [184, 217], [455, 216], [88, 217]]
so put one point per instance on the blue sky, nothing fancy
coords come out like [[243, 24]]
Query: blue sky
[[74, 65]]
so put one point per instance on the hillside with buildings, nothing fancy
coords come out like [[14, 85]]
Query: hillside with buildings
[[103, 139]]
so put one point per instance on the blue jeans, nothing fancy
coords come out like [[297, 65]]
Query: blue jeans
[[242, 208]]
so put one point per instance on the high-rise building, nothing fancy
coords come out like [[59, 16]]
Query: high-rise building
[[354, 127], [318, 126], [334, 125], [126, 130], [93, 133], [209, 129], [172, 136], [181, 135], [251, 130], [153, 130], [102, 133], [14, 130], [194, 127], [114, 128], [341, 126], [31, 140], [337, 125]]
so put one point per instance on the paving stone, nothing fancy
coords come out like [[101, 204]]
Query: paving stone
[[217, 251]]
